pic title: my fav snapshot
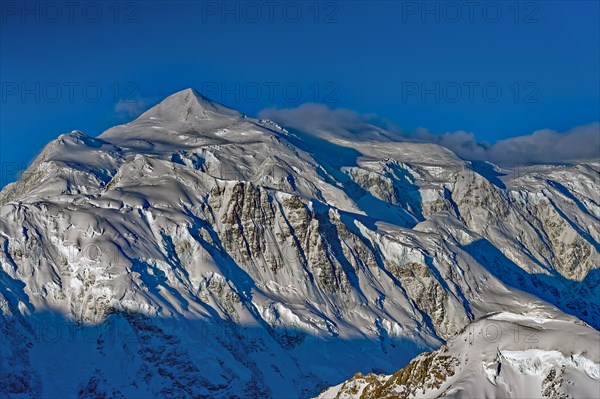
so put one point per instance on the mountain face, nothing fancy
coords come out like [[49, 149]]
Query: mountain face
[[197, 252]]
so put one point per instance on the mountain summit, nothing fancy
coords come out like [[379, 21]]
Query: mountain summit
[[180, 112], [217, 255], [187, 104]]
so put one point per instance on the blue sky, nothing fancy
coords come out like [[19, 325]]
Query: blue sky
[[495, 68]]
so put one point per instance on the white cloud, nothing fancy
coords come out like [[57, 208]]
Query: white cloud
[[133, 108], [319, 119], [541, 146]]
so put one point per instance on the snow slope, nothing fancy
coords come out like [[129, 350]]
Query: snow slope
[[209, 253]]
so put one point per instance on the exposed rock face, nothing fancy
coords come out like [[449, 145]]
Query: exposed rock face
[[429, 296], [295, 270], [423, 374]]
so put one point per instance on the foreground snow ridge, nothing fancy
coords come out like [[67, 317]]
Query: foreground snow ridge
[[489, 359], [197, 252]]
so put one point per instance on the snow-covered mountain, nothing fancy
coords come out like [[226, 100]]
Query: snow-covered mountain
[[198, 252]]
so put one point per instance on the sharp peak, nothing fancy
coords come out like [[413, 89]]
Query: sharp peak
[[189, 96], [190, 100], [190, 91]]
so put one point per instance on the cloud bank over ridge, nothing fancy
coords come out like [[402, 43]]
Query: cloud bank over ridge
[[541, 146]]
